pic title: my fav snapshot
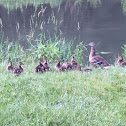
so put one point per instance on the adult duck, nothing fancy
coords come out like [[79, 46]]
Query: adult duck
[[121, 61], [97, 60]]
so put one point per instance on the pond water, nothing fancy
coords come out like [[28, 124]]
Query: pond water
[[103, 23]]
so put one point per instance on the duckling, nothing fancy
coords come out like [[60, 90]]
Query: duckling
[[18, 70], [59, 67], [86, 70], [40, 68], [10, 66], [121, 61], [97, 60], [46, 65], [67, 65], [75, 65]]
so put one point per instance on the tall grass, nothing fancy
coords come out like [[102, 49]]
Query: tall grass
[[9, 50], [41, 47], [124, 51], [56, 47]]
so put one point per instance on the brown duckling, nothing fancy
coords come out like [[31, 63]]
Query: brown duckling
[[18, 70], [46, 65], [121, 61], [97, 60], [10, 66], [59, 67], [86, 70], [75, 65], [40, 68], [67, 65]]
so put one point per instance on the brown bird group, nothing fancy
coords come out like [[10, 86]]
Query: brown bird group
[[94, 59], [16, 70], [42, 67]]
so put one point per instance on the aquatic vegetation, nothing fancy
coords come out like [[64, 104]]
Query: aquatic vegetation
[[11, 4], [54, 3], [124, 5], [94, 3]]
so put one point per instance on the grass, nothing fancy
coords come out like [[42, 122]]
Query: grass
[[41, 47], [71, 98]]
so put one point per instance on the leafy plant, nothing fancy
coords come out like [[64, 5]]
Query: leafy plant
[[79, 51], [11, 51]]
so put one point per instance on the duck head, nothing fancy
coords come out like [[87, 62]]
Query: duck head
[[20, 63], [91, 44], [45, 62], [58, 60], [120, 58], [10, 63], [73, 58], [40, 60]]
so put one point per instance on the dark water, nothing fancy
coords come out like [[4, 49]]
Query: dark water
[[104, 24]]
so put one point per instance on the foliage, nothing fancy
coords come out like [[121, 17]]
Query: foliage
[[79, 51], [56, 47], [124, 49], [10, 51], [94, 2], [124, 5], [66, 99], [41, 47], [11, 4]]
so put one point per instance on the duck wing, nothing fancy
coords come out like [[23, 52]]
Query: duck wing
[[67, 65], [123, 64], [47, 67], [16, 71], [98, 60]]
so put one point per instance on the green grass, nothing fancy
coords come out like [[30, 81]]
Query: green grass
[[71, 98]]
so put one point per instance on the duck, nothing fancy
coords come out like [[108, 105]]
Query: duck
[[18, 70], [40, 68], [75, 65], [10, 66], [121, 61], [59, 67], [67, 65], [97, 60], [86, 70], [46, 65]]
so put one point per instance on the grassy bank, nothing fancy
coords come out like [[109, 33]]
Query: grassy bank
[[71, 98]]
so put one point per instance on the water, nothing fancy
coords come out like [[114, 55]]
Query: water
[[105, 24]]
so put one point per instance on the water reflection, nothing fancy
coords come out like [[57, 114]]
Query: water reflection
[[104, 24]]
